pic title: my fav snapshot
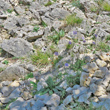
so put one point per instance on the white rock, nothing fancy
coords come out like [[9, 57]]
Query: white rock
[[101, 63]]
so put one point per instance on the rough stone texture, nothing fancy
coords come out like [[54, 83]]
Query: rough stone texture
[[19, 102], [59, 13], [85, 79], [53, 100], [67, 100], [13, 72], [17, 47], [34, 35], [79, 91], [97, 90], [101, 63]]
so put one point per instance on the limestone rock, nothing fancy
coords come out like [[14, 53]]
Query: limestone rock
[[59, 13], [67, 100], [17, 47], [101, 63], [97, 90], [53, 100], [85, 79], [13, 72]]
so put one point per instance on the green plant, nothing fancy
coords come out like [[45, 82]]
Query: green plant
[[82, 106], [9, 11], [78, 65], [106, 6], [53, 48], [34, 84], [49, 3], [103, 47], [60, 76], [1, 69], [55, 38], [108, 38], [69, 46], [43, 24], [75, 40], [40, 59], [77, 3], [15, 58], [5, 62], [54, 62], [35, 29], [72, 80], [52, 88], [30, 75], [73, 20], [93, 8], [54, 0]]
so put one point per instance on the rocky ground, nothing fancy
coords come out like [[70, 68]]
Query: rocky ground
[[54, 54]]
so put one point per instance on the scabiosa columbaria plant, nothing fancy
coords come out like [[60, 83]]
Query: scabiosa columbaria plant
[[56, 53]]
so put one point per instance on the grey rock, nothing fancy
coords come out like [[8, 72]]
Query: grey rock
[[44, 108], [75, 48], [106, 79], [17, 47], [62, 44], [76, 87], [61, 107], [103, 97], [18, 108], [31, 67], [41, 97], [108, 88], [52, 100], [6, 91], [38, 105], [59, 13], [84, 98], [98, 105], [26, 95], [85, 79], [52, 108], [39, 43], [47, 20], [101, 63], [42, 1], [6, 83], [5, 5], [19, 10], [69, 90], [99, 74], [107, 104], [41, 84], [79, 91], [12, 72], [64, 84], [97, 90], [87, 59], [13, 95], [34, 35], [21, 21], [67, 100], [19, 102], [10, 23]]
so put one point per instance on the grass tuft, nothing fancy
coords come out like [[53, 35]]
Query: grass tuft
[[72, 20], [40, 59]]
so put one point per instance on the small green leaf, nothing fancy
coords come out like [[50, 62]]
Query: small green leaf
[[59, 88], [50, 92]]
